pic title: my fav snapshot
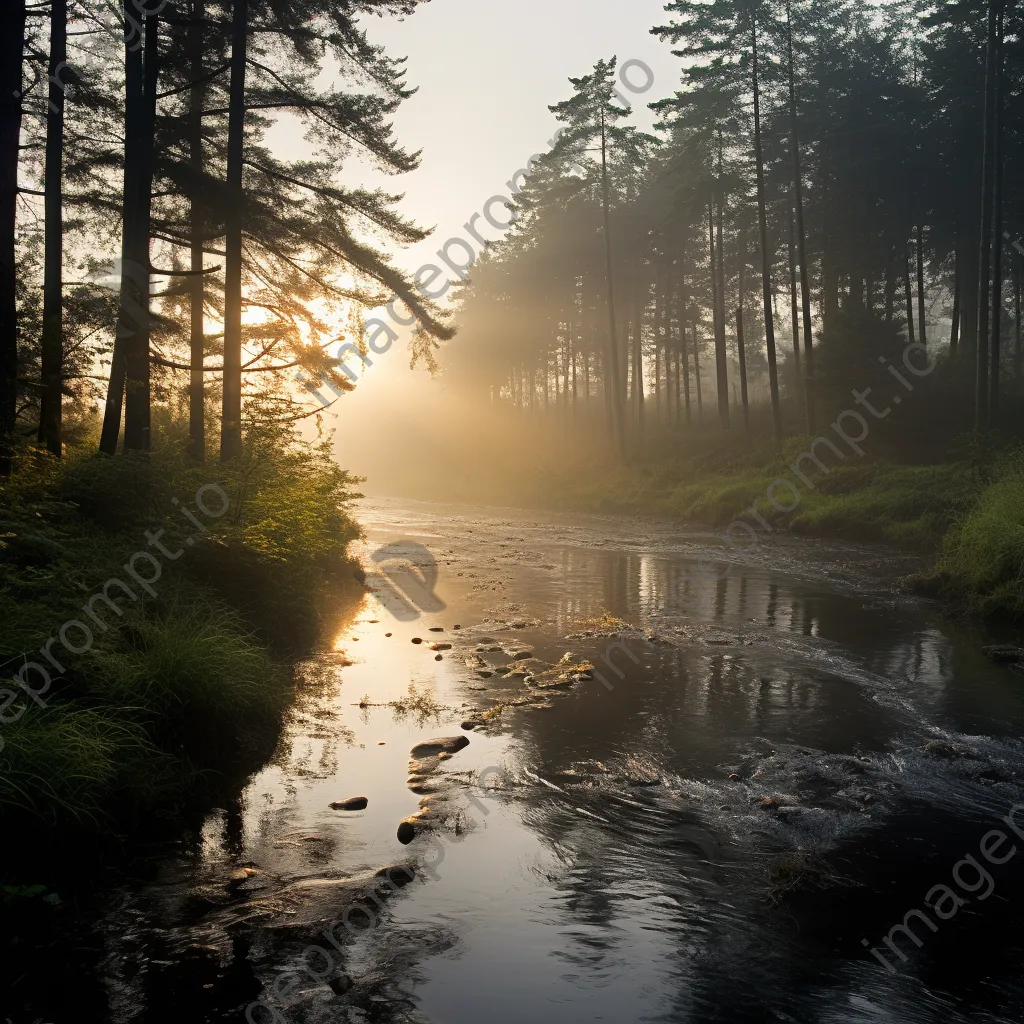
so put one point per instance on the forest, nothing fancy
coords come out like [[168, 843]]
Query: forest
[[641, 640], [827, 182], [822, 208]]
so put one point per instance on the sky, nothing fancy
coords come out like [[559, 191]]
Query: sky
[[486, 72]]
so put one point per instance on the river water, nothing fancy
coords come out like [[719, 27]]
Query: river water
[[763, 773]]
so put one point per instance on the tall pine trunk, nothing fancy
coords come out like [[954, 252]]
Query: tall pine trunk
[[954, 329], [137, 397], [981, 381], [801, 235], [696, 374], [721, 355], [997, 226], [197, 347], [617, 417], [12, 22], [684, 355], [740, 348], [231, 412], [793, 314], [132, 329], [52, 347], [908, 295], [718, 327], [890, 286], [766, 262], [921, 330], [638, 355], [1016, 320]]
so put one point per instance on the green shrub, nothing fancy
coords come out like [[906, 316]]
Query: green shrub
[[165, 683]]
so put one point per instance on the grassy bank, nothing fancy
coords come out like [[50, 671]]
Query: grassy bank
[[149, 608], [967, 514]]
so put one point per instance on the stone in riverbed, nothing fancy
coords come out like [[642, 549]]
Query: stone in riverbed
[[398, 875], [440, 647], [353, 803], [1005, 654], [406, 831], [440, 745], [340, 985]]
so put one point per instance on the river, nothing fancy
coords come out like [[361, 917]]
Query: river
[[714, 807]]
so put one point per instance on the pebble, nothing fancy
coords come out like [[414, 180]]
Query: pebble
[[339, 986], [353, 803]]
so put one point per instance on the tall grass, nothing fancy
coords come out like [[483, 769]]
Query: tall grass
[[967, 513], [182, 681]]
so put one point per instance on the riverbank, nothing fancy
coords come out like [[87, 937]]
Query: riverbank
[[152, 608], [967, 514]]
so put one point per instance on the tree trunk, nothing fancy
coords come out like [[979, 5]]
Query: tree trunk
[[696, 373], [908, 296], [981, 382], [572, 357], [1016, 318], [137, 396], [659, 296], [12, 22], [793, 315], [766, 262], [613, 344], [677, 356], [921, 330], [997, 227], [718, 325], [954, 329], [684, 356], [129, 364], [657, 368], [721, 355], [890, 287], [231, 413], [666, 309], [638, 355], [741, 353], [196, 391], [801, 236], [52, 347]]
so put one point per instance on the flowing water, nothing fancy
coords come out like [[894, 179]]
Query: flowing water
[[762, 774]]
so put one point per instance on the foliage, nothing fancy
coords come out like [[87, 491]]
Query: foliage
[[158, 690]]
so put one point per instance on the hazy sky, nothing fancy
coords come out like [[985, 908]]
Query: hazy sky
[[486, 73]]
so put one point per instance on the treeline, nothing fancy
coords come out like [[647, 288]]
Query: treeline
[[825, 188], [158, 254]]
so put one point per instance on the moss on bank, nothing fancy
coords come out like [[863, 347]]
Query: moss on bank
[[149, 606], [967, 514]]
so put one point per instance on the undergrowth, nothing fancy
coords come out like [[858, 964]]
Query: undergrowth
[[176, 677]]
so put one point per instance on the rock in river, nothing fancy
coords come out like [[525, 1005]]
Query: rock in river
[[353, 803], [1005, 654], [439, 745]]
